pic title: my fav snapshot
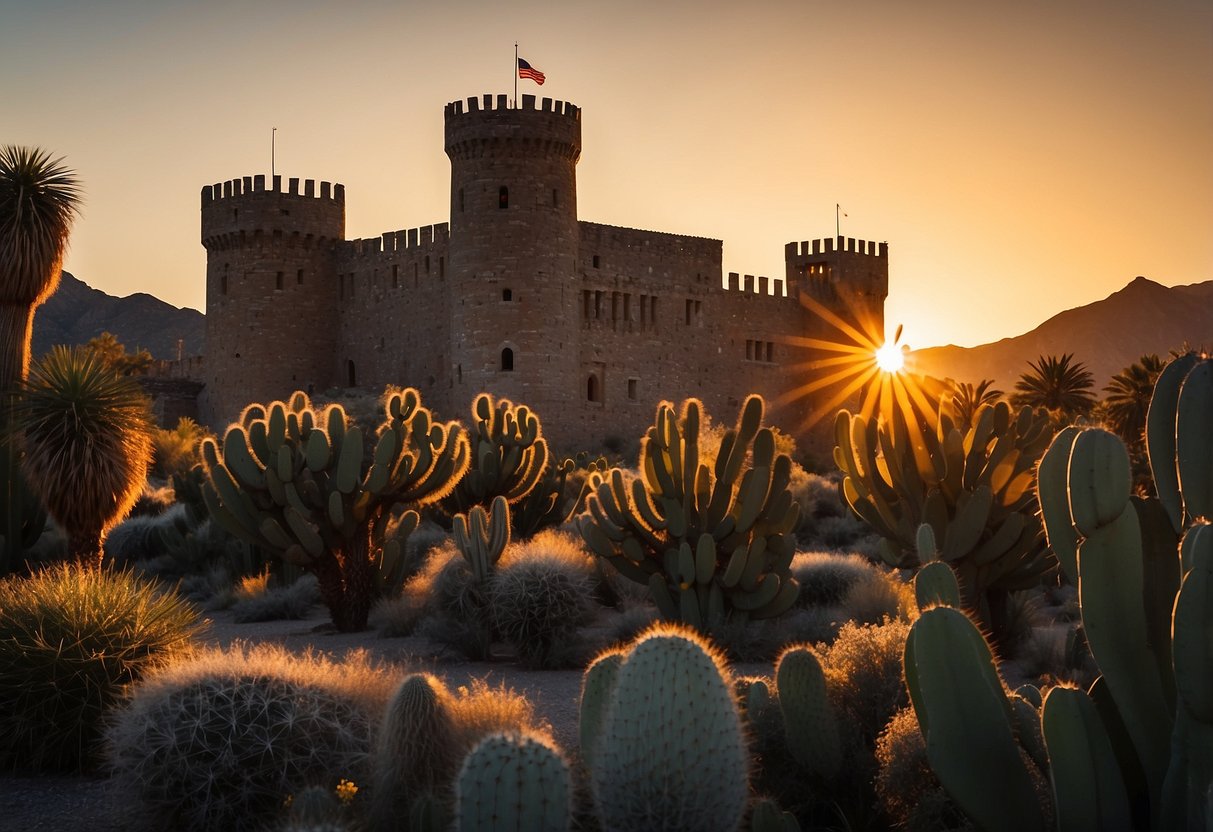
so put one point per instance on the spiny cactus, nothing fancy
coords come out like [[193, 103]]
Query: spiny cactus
[[597, 685], [973, 488], [293, 481], [809, 724], [508, 456], [481, 536], [712, 543], [554, 499], [672, 753], [514, 782], [415, 754]]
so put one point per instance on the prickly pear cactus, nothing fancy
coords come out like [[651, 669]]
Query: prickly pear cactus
[[712, 543], [294, 481], [513, 783], [810, 727], [508, 455], [973, 488], [672, 754]]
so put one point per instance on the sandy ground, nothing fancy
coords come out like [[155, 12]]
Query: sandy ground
[[67, 804]]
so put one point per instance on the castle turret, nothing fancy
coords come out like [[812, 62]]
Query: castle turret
[[513, 251], [271, 292], [849, 277]]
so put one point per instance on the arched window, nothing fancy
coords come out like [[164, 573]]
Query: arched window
[[593, 392], [503, 197], [507, 295], [507, 360]]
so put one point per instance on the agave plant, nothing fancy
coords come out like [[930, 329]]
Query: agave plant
[[88, 440], [38, 201], [1060, 385]]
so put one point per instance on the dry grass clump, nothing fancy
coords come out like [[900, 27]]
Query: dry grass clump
[[71, 639], [479, 710], [220, 740], [826, 578], [256, 600]]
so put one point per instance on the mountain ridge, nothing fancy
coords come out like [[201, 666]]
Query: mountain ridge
[[1106, 335]]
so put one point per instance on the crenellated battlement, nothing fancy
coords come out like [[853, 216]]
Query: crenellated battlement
[[488, 103], [248, 185], [410, 240], [760, 286], [836, 245]]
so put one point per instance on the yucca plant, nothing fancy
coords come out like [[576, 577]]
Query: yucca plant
[[71, 640], [966, 398], [87, 434], [38, 202], [1060, 385]]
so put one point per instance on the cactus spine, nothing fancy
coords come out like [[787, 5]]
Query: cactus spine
[[296, 482], [711, 543], [672, 754], [513, 783]]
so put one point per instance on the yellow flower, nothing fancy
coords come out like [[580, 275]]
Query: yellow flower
[[346, 790]]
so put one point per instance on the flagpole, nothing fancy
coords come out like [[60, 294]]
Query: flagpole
[[273, 149], [837, 227], [515, 73]]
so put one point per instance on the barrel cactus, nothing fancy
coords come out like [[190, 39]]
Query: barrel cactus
[[293, 480], [713, 543], [514, 783], [671, 754], [972, 487]]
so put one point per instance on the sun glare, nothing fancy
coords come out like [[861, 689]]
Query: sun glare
[[890, 358]]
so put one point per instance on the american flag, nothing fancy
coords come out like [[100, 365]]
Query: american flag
[[525, 70]]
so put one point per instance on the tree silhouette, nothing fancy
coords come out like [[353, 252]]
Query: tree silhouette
[[1060, 385], [966, 398]]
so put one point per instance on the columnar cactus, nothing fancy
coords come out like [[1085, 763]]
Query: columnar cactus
[[973, 487], [508, 456], [481, 536], [810, 726], [672, 753], [711, 543], [514, 783], [293, 481], [414, 757]]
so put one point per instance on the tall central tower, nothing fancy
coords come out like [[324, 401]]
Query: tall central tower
[[513, 251]]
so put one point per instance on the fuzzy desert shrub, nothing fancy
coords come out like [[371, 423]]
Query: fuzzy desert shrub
[[882, 595], [274, 603], [454, 606], [152, 501], [220, 740], [864, 676], [393, 617], [908, 792], [143, 537], [540, 595], [71, 639], [826, 578], [479, 709]]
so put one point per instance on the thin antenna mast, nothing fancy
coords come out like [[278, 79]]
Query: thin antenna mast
[[273, 151]]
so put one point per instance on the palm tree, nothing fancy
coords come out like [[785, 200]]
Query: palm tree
[[39, 199], [87, 433], [966, 398], [1061, 387], [1128, 399]]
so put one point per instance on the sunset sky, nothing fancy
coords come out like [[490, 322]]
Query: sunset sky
[[1019, 158]]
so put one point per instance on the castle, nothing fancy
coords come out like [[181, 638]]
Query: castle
[[590, 325]]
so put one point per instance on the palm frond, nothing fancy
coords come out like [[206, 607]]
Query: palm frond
[[39, 199]]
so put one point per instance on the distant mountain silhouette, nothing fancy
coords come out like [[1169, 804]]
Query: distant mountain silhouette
[[1107, 336], [77, 313]]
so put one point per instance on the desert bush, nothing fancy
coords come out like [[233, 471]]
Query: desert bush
[[275, 603], [146, 536], [219, 741], [827, 578], [175, 450], [863, 676], [152, 501], [909, 793], [70, 640], [883, 595], [452, 606], [478, 709], [540, 595]]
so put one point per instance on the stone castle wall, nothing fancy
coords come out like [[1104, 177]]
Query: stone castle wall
[[590, 325]]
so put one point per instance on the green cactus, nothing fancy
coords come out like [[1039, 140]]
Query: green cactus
[[711, 543], [597, 686], [514, 783], [1088, 789], [552, 501], [414, 756], [672, 753], [936, 584], [810, 725], [482, 536], [508, 456], [967, 722], [293, 481], [973, 488]]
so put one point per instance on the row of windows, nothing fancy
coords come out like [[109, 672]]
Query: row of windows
[[594, 306], [760, 351], [279, 279], [374, 277], [593, 385]]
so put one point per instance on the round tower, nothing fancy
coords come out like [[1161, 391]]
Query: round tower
[[271, 291], [513, 253]]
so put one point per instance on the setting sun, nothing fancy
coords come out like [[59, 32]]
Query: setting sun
[[890, 357]]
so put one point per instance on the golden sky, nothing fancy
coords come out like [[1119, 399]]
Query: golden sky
[[1019, 158]]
